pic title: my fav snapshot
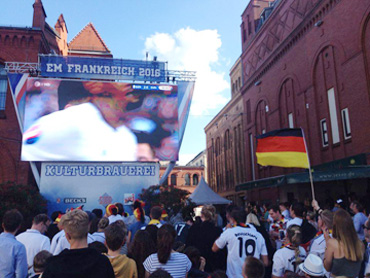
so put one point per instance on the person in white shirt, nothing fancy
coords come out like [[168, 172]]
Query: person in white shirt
[[288, 258], [318, 243], [296, 212], [277, 226], [34, 239], [325, 224], [241, 242]]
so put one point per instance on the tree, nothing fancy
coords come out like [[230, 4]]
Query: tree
[[25, 198]]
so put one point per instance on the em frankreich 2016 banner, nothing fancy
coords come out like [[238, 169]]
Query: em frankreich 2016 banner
[[102, 68], [95, 185]]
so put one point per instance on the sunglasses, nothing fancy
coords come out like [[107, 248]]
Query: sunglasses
[[365, 227]]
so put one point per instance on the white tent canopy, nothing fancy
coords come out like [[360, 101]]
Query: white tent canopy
[[203, 195]]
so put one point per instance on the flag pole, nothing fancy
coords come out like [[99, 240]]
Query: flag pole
[[309, 166]]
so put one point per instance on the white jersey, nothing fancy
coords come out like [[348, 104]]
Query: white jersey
[[284, 260], [279, 227], [294, 221], [78, 133], [317, 247], [241, 242]]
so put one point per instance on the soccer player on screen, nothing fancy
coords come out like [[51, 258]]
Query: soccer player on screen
[[87, 126]]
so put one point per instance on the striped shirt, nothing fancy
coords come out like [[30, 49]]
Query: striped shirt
[[178, 265]]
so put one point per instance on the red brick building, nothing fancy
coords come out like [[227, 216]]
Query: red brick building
[[226, 143], [23, 45], [183, 177], [306, 63]]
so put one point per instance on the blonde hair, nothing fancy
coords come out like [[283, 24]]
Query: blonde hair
[[252, 218], [103, 223], [327, 217], [294, 236], [76, 224], [209, 213], [344, 232]]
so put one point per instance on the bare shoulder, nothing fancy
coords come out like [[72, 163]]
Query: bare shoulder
[[332, 243]]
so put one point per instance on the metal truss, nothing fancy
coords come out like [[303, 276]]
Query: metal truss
[[179, 75], [34, 70], [21, 67]]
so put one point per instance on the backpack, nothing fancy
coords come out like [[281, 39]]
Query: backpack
[[308, 231]]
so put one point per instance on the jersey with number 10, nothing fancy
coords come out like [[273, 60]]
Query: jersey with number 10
[[241, 242]]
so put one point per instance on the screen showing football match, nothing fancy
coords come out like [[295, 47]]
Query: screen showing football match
[[73, 120]]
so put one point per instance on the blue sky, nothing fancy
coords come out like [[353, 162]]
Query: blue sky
[[200, 35]]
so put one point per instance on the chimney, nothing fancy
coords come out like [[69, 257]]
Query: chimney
[[39, 15]]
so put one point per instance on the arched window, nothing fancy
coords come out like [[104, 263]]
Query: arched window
[[195, 179], [173, 179], [187, 179]]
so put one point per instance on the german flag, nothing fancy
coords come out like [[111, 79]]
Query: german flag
[[282, 148]]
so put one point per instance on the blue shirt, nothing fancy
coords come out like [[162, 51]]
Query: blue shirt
[[13, 257], [358, 220], [136, 227]]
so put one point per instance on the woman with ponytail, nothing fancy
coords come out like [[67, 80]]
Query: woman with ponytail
[[177, 264], [291, 255], [136, 221]]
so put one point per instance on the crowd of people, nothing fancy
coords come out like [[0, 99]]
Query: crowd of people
[[285, 240]]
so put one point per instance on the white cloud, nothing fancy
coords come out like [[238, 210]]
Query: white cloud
[[192, 50], [185, 158]]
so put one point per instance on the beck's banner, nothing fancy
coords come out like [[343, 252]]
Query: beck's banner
[[95, 185], [73, 120], [102, 68]]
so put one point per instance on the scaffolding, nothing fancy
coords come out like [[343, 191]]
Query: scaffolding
[[172, 76]]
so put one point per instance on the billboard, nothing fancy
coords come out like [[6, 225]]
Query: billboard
[[73, 120], [102, 68], [95, 185]]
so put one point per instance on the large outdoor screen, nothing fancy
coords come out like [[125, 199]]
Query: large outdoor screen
[[72, 120]]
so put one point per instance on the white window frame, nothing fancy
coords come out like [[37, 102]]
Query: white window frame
[[324, 133], [346, 124], [290, 120], [333, 116]]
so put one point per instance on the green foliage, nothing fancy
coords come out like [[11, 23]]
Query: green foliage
[[170, 198], [26, 198]]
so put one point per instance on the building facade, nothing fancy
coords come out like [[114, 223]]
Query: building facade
[[306, 64], [226, 144], [200, 160], [24, 44], [183, 177]]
